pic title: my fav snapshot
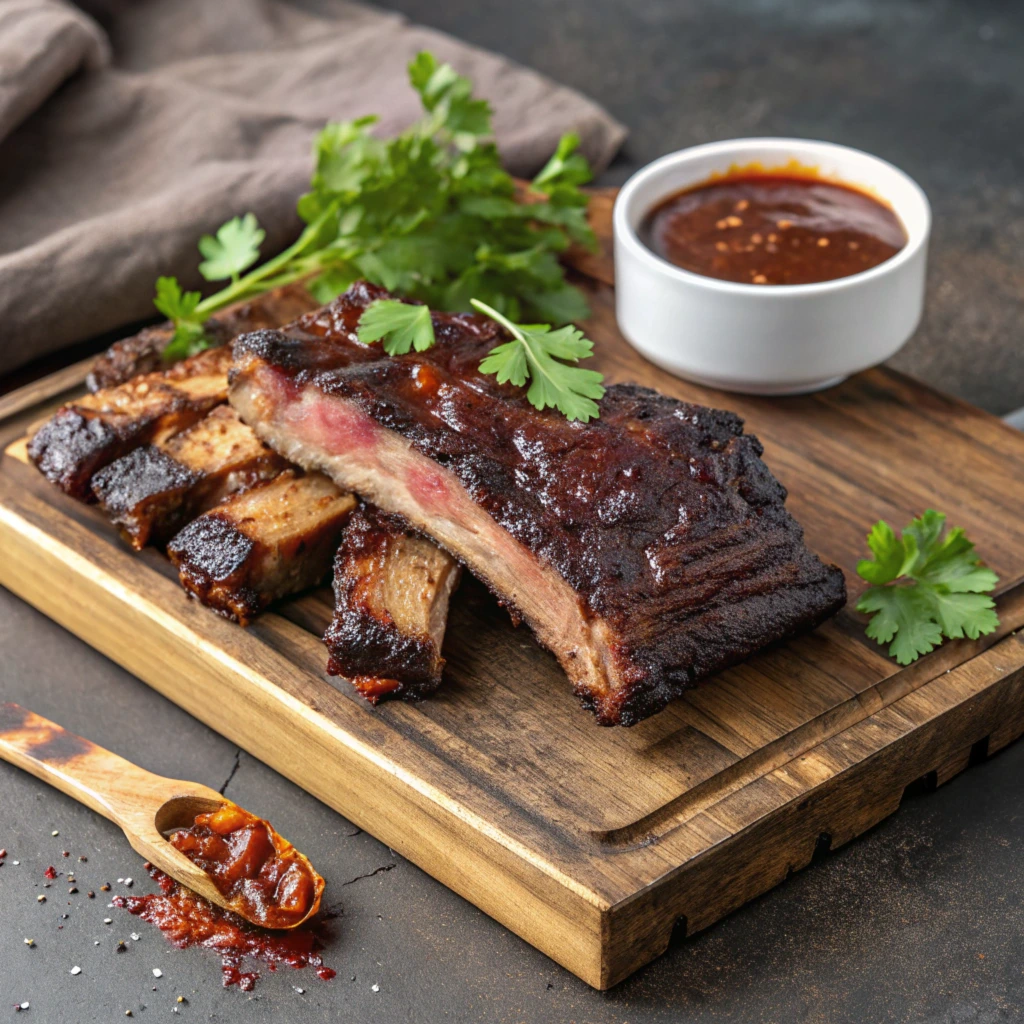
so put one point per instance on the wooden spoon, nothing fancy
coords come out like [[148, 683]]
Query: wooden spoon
[[143, 805]]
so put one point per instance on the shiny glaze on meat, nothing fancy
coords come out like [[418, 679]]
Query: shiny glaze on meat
[[660, 516]]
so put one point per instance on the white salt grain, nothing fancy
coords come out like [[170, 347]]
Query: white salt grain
[[375, 987], [76, 970], [157, 973], [135, 936]]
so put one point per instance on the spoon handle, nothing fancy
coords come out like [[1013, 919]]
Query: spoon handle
[[98, 778]]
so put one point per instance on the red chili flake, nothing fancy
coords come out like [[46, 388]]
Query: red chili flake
[[65, 853], [50, 872], [83, 859], [3, 853]]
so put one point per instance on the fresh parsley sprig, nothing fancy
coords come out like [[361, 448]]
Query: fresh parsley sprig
[[430, 214], [546, 358], [925, 587], [536, 353], [398, 326]]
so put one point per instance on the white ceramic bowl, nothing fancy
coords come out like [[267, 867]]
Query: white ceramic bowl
[[768, 339]]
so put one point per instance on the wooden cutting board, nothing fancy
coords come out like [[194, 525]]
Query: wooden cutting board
[[593, 844]]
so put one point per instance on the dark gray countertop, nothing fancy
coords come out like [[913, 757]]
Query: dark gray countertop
[[921, 919]]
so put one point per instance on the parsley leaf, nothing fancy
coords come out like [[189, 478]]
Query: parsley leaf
[[430, 214], [235, 248], [401, 325], [173, 302], [180, 307], [536, 353], [925, 587]]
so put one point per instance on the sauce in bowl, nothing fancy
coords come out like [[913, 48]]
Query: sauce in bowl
[[773, 229]]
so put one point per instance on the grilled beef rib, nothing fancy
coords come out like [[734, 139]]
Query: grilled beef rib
[[391, 591], [88, 433], [265, 543], [646, 549], [156, 488]]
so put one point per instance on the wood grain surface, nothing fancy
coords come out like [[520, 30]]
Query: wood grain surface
[[594, 844]]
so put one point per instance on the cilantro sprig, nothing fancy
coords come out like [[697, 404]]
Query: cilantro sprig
[[925, 587], [430, 214]]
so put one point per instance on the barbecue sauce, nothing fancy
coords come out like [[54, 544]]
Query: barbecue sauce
[[768, 229], [258, 871], [187, 919]]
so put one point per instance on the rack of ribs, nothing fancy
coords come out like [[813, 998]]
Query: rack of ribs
[[391, 593], [647, 549]]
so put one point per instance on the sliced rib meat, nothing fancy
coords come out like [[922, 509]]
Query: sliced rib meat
[[152, 491], [391, 593], [88, 433], [646, 549], [276, 539]]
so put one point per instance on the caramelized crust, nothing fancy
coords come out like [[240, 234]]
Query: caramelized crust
[[647, 549], [150, 492], [276, 539], [391, 592]]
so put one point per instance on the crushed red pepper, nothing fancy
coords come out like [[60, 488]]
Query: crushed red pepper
[[772, 229], [259, 872], [187, 919]]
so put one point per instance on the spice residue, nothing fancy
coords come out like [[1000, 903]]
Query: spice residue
[[187, 919]]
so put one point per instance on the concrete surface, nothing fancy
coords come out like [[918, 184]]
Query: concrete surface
[[920, 920]]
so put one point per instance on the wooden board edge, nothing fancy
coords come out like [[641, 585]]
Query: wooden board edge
[[555, 918], [44, 389], [751, 862]]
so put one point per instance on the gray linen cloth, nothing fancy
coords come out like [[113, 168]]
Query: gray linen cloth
[[129, 129]]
